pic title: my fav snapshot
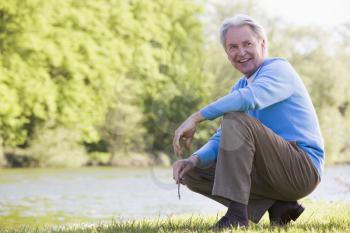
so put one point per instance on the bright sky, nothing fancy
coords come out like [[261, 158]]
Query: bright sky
[[327, 13]]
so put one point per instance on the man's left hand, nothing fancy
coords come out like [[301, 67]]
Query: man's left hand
[[182, 166]]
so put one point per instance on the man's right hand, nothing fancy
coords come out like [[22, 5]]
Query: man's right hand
[[186, 132], [182, 166]]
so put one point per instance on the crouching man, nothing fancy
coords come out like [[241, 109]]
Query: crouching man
[[268, 152]]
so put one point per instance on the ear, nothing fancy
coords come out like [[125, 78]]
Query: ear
[[263, 44]]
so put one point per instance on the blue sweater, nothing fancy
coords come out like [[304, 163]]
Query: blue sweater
[[278, 99]]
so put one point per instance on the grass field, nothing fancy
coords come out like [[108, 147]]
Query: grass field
[[318, 217]]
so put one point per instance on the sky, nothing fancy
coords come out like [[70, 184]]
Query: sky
[[324, 13]]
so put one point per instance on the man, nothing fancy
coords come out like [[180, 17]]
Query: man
[[268, 152]]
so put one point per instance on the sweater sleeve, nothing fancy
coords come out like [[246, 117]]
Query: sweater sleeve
[[208, 153], [273, 84]]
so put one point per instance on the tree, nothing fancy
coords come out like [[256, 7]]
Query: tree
[[92, 67]]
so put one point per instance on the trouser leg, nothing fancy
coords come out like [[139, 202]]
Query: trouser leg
[[253, 160], [201, 181], [255, 167]]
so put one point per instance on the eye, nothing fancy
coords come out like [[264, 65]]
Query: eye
[[232, 48], [248, 44]]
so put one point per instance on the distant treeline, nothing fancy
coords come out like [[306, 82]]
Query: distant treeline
[[108, 81]]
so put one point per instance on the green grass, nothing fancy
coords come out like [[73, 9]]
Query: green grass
[[318, 217]]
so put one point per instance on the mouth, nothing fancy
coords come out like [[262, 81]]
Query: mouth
[[244, 60]]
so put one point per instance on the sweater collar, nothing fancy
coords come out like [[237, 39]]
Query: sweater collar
[[256, 73]]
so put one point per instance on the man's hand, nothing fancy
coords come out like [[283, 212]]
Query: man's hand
[[182, 166], [186, 132]]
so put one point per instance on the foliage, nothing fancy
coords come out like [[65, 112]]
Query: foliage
[[122, 75], [53, 69], [57, 147], [89, 65], [99, 158], [2, 157]]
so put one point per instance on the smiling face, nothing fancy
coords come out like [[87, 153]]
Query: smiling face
[[244, 49]]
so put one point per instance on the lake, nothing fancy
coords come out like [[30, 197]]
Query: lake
[[106, 193]]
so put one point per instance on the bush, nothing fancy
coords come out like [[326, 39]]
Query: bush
[[57, 147], [99, 158], [2, 156]]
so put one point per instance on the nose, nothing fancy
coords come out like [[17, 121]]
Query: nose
[[241, 51]]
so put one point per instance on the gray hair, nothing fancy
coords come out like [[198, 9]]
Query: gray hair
[[241, 20]]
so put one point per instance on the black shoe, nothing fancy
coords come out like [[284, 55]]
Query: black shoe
[[225, 223], [281, 212]]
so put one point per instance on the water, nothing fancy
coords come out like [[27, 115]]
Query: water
[[123, 193], [335, 185]]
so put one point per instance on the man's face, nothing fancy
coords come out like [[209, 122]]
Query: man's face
[[244, 49]]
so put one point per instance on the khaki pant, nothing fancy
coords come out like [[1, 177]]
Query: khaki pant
[[255, 166]]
